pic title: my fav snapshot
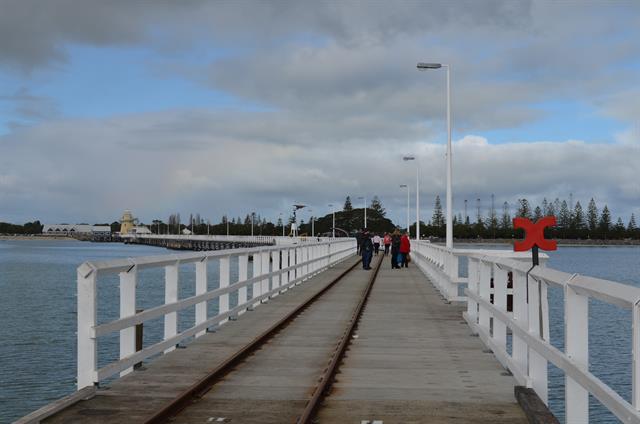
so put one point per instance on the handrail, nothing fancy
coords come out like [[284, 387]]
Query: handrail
[[275, 269], [486, 295]]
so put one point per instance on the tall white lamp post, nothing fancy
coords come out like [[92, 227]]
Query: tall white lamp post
[[333, 225], [408, 158], [424, 67], [252, 215], [365, 209], [407, 187]]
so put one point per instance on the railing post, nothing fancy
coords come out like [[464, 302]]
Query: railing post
[[257, 270], [576, 331], [500, 279], [201, 288], [298, 260], [128, 282], [171, 296], [265, 270], [484, 316], [243, 262], [284, 277], [636, 355], [223, 300], [473, 287], [275, 266], [87, 317], [537, 363], [521, 315], [452, 286]]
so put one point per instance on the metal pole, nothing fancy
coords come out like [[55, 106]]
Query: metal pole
[[408, 232], [417, 201], [449, 165], [227, 226], [365, 211], [252, 213]]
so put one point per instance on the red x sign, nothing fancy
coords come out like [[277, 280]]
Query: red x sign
[[534, 234]]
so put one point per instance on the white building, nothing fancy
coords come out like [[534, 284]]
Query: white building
[[71, 229]]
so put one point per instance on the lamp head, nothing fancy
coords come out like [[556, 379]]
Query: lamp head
[[403, 185], [406, 158], [425, 66]]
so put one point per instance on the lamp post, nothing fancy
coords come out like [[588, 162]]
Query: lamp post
[[407, 187], [252, 215], [423, 67], [365, 209], [408, 158], [312, 222], [333, 225], [227, 226], [282, 222]]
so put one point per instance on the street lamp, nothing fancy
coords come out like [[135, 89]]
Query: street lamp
[[365, 209], [252, 215], [423, 67], [312, 223], [408, 158], [282, 222], [333, 226], [407, 187]]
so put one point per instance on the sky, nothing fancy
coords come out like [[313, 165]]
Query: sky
[[228, 107]]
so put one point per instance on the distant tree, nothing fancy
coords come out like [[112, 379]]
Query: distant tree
[[524, 208], [551, 210], [545, 207], [604, 225], [578, 224], [592, 217], [632, 224], [115, 227], [437, 219], [556, 208], [347, 204], [618, 229], [537, 214], [505, 220], [376, 205], [564, 218]]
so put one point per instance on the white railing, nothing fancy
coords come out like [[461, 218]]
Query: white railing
[[275, 269], [529, 323], [275, 240]]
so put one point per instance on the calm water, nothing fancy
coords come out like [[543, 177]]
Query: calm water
[[38, 317]]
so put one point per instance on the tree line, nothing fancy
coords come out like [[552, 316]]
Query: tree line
[[573, 222]]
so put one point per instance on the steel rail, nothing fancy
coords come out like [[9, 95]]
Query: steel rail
[[202, 386], [329, 373]]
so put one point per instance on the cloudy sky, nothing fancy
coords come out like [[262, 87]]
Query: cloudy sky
[[232, 106]]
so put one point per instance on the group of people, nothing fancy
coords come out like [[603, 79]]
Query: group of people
[[395, 244]]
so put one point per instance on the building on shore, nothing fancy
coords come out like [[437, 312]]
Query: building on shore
[[127, 223], [76, 229]]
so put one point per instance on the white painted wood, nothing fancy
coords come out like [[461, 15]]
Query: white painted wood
[[87, 318], [257, 271], [243, 264], [474, 287], [265, 257], [537, 363], [484, 315], [500, 280], [201, 288], [576, 330], [521, 316], [128, 283], [170, 296], [225, 268], [284, 277], [275, 266]]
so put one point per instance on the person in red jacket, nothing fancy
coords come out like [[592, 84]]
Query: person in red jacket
[[405, 248]]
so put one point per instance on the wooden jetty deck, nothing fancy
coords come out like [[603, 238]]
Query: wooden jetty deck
[[413, 360]]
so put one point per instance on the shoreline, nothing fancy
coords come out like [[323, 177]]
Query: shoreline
[[37, 237]]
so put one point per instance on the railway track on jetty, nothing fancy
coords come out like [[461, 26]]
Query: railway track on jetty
[[300, 354]]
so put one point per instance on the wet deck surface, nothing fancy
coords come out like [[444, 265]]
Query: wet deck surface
[[413, 361]]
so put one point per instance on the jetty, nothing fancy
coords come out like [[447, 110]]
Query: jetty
[[303, 334]]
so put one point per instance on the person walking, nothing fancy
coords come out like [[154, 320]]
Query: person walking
[[405, 248], [367, 249], [395, 249], [359, 239], [376, 244], [387, 243]]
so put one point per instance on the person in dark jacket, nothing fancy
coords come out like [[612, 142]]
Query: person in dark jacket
[[359, 238], [405, 248], [366, 247], [395, 248]]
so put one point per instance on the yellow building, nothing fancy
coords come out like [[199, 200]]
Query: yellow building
[[127, 222]]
